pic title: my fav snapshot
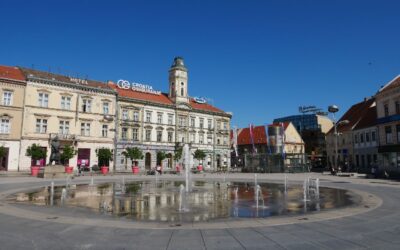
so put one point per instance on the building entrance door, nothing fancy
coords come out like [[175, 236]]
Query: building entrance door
[[147, 161], [4, 161], [83, 158]]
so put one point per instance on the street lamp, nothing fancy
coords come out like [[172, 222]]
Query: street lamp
[[333, 109]]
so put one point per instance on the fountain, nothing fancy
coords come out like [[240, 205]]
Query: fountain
[[305, 190], [255, 180], [186, 159], [182, 198], [258, 195], [63, 196], [286, 182], [92, 181]]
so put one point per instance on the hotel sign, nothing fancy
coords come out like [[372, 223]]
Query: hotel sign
[[124, 84]]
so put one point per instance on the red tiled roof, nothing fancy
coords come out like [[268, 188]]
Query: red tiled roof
[[204, 106], [354, 115], [258, 135], [369, 119], [129, 93], [12, 73], [63, 78]]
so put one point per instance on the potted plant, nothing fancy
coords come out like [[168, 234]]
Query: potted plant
[[199, 155], [105, 155], [178, 156], [161, 155], [36, 153], [134, 154], [3, 153], [67, 154]]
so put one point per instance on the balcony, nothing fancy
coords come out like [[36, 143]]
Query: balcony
[[63, 137]]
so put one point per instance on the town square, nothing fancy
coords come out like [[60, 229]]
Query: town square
[[199, 125]]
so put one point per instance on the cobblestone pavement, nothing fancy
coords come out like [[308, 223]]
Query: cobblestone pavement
[[374, 225]]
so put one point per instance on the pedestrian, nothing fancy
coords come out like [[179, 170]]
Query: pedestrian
[[159, 170]]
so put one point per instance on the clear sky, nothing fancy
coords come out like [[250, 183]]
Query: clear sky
[[257, 59]]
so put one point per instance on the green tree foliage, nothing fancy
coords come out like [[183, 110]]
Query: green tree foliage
[[133, 153]]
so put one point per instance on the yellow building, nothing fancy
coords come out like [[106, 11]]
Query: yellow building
[[79, 112], [12, 88]]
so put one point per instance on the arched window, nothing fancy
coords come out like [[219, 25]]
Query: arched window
[[181, 91]]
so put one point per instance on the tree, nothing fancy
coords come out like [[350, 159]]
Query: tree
[[3, 152], [134, 154], [105, 155], [178, 152], [67, 154], [161, 155], [35, 152], [199, 155]]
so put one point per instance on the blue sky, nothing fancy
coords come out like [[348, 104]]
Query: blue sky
[[257, 59]]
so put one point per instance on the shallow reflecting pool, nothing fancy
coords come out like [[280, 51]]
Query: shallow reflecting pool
[[167, 201]]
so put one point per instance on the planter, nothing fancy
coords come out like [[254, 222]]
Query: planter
[[104, 170], [69, 169], [135, 169], [35, 170], [200, 168], [178, 169]]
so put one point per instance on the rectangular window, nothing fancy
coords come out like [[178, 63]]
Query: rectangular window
[[86, 105], [182, 121], [125, 115], [64, 127], [209, 140], [159, 135], [148, 116], [41, 126], [192, 122], [398, 133], [218, 125], [201, 123], [106, 108], [386, 109], [43, 100], [170, 119], [170, 136], [373, 136], [136, 116], [7, 98], [85, 129], [225, 125], [388, 133], [367, 137], [159, 118], [65, 102], [225, 141], [209, 124], [362, 137], [201, 138], [104, 130], [218, 141], [397, 107], [148, 135], [356, 138], [124, 133], [192, 138], [5, 126], [135, 134]]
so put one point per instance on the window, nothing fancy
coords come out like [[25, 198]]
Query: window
[[388, 133], [5, 126], [201, 138], [170, 136], [125, 115], [398, 133], [386, 109], [41, 126], [124, 133], [192, 122], [148, 116], [85, 129], [136, 116], [170, 119], [7, 98], [367, 137], [226, 141], [182, 89], [225, 125], [43, 100], [192, 137], [104, 130], [182, 121], [373, 136], [218, 125], [159, 118], [65, 102], [201, 122], [209, 123], [218, 141], [106, 108], [86, 105], [209, 139], [135, 134], [159, 135], [64, 127], [148, 135], [356, 138], [362, 137], [397, 107]]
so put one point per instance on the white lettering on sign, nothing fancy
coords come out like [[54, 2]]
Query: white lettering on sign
[[78, 81], [124, 84]]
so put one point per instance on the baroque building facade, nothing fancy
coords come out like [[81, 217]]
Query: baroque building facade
[[79, 112], [155, 121]]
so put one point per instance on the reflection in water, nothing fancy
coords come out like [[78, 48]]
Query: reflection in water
[[166, 201]]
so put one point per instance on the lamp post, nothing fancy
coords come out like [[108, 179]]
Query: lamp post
[[333, 109]]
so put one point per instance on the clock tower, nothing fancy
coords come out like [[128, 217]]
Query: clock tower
[[178, 79]]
